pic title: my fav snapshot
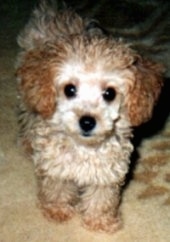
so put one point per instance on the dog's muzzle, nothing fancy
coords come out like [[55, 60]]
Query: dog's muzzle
[[87, 124]]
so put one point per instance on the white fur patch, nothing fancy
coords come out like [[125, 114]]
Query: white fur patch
[[77, 71]]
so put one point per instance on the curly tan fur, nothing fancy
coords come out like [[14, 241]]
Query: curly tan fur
[[81, 167]]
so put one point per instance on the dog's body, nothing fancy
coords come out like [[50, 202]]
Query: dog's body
[[80, 93]]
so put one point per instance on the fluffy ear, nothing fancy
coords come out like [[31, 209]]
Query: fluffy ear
[[36, 85], [145, 91]]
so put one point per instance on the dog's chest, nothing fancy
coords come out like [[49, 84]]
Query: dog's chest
[[84, 165]]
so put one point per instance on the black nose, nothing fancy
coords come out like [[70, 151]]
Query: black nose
[[87, 123]]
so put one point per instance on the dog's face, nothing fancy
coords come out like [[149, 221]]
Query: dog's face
[[88, 101], [91, 90]]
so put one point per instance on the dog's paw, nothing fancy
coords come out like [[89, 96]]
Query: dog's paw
[[58, 212], [105, 223]]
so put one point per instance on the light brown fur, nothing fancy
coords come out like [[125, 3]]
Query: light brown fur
[[81, 168]]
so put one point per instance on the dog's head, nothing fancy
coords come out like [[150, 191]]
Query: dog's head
[[89, 86]]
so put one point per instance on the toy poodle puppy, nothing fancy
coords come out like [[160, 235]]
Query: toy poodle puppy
[[80, 94]]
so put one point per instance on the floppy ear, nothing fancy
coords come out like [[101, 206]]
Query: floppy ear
[[36, 85], [145, 91]]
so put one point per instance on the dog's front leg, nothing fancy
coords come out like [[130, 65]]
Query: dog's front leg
[[57, 198], [99, 207]]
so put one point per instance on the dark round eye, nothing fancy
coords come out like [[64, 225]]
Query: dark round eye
[[70, 90], [109, 94]]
